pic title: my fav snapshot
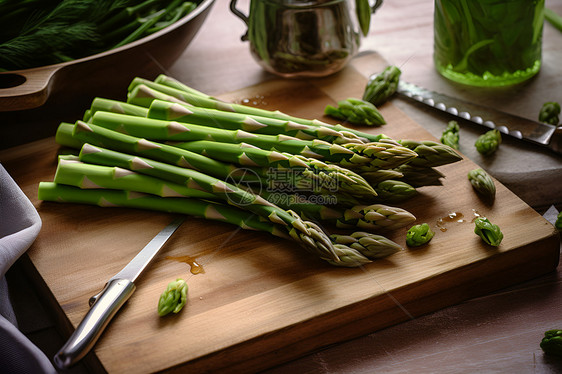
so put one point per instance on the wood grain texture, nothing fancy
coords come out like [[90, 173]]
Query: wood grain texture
[[261, 300]]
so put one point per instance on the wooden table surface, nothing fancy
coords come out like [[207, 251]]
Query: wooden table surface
[[496, 333]]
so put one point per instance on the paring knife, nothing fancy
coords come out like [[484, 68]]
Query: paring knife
[[542, 134], [105, 304]]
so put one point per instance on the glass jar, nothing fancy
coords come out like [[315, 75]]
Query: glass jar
[[488, 42], [303, 38]]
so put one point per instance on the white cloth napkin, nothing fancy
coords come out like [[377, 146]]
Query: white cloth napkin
[[19, 226]]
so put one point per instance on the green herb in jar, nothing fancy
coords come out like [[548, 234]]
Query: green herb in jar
[[488, 42]]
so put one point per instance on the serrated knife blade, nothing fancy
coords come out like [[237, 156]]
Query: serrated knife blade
[[542, 134]]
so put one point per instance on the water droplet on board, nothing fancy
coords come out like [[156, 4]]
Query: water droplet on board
[[195, 267], [456, 217]]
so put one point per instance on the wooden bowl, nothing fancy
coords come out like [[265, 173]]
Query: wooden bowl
[[102, 73]]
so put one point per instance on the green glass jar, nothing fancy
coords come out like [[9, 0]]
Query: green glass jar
[[488, 42]]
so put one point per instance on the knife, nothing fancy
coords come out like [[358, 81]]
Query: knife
[[542, 134], [107, 303]]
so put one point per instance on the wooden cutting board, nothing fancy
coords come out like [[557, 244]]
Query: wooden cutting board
[[258, 300]]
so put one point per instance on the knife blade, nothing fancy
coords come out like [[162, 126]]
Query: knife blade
[[542, 134], [107, 303]]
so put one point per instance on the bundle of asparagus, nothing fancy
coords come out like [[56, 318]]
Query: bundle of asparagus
[[175, 149]]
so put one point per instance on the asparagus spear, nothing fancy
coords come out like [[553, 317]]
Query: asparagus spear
[[439, 155], [236, 121], [144, 92], [356, 111], [376, 176], [64, 136], [315, 172], [386, 153], [115, 106], [415, 176], [161, 130], [309, 173], [419, 176], [79, 174], [343, 185], [372, 246], [96, 135], [49, 191], [375, 217], [174, 83], [348, 257], [305, 232], [91, 176], [393, 191], [430, 153], [73, 172], [330, 212], [382, 86]]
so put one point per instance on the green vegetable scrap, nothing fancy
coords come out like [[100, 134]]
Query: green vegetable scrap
[[174, 298], [482, 183], [551, 344], [558, 223], [489, 142], [358, 112], [550, 113], [419, 235], [490, 233], [450, 135], [382, 86]]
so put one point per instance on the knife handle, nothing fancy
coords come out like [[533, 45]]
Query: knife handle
[[115, 293]]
